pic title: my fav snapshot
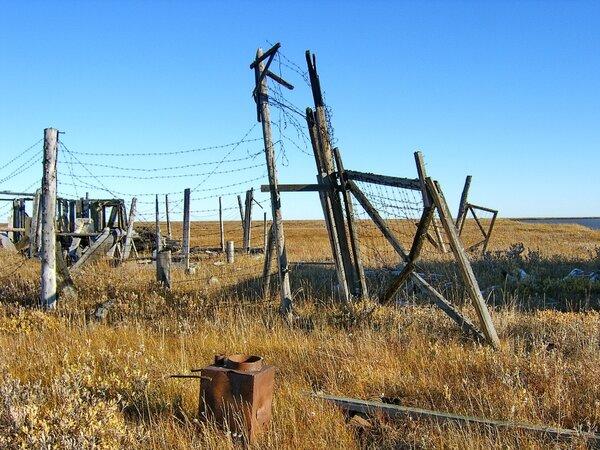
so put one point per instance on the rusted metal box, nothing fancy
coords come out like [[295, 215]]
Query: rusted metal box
[[237, 392]]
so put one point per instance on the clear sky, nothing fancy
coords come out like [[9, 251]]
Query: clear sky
[[508, 92]]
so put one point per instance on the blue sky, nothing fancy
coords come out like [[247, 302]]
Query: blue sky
[[508, 92]]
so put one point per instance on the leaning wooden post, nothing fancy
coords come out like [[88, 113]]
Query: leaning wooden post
[[463, 264], [129, 236], [221, 225], [262, 99], [462, 207], [328, 171], [48, 278], [169, 231], [239, 199], [186, 228], [422, 173]]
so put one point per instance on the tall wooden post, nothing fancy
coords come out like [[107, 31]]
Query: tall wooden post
[[48, 277], [221, 225], [186, 228], [265, 232], [427, 202], [262, 99], [463, 203], [327, 169], [157, 228], [248, 219], [169, 230]]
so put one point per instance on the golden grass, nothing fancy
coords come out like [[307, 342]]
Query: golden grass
[[71, 382]]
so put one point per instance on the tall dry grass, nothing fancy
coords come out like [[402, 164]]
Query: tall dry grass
[[69, 381]]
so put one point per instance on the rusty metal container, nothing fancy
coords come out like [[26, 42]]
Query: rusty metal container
[[237, 392]]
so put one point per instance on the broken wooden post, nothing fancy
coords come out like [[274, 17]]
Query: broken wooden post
[[186, 228], [230, 252], [326, 168], [221, 225], [163, 268], [169, 231], [129, 236], [248, 219], [462, 207], [262, 100], [48, 276]]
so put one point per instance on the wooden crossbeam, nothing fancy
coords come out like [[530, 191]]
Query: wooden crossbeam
[[296, 188], [385, 180]]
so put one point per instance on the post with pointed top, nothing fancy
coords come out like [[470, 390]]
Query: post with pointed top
[[264, 116], [48, 254]]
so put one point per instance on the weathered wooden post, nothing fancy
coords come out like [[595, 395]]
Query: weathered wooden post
[[239, 199], [427, 202], [129, 236], [221, 226], [265, 238], [48, 277], [262, 101], [230, 252], [163, 268], [325, 166], [169, 231], [35, 229], [186, 229], [462, 207], [248, 219]]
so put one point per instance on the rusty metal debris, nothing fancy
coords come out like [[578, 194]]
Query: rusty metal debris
[[236, 393]]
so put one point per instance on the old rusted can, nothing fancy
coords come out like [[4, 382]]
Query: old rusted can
[[237, 392]]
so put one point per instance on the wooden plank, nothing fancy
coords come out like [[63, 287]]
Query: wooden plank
[[477, 221], [489, 233], [483, 208], [94, 249], [48, 253], [296, 188], [18, 194], [256, 63], [360, 281], [265, 118], [385, 180], [400, 412], [464, 266], [415, 251]]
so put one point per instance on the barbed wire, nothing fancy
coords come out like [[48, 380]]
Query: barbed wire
[[24, 152], [22, 168]]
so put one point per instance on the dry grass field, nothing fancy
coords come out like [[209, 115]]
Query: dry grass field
[[70, 381]]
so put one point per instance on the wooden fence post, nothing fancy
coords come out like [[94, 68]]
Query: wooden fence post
[[239, 199], [248, 219], [35, 225], [262, 100], [129, 236], [462, 213], [163, 268], [48, 276], [186, 228], [221, 225], [230, 252], [169, 230], [265, 238]]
